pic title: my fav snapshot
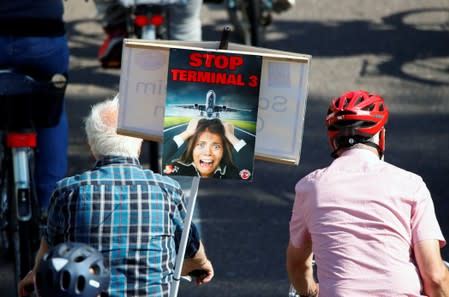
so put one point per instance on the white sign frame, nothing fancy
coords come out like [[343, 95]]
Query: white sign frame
[[282, 102]]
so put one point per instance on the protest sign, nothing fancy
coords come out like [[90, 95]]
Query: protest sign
[[282, 94], [211, 114]]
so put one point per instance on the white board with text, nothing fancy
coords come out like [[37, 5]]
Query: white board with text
[[282, 99]]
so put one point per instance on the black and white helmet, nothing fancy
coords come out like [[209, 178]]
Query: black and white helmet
[[71, 270]]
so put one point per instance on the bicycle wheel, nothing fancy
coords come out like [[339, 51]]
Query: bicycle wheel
[[257, 30], [247, 19], [25, 235], [237, 12], [4, 204]]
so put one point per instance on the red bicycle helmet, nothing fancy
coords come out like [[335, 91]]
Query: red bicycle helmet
[[72, 270], [354, 117]]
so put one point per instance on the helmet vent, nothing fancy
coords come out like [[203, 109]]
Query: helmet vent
[[80, 284], [79, 258], [65, 280], [94, 269], [49, 277], [358, 101], [349, 125], [343, 104], [64, 250], [370, 107], [337, 102]]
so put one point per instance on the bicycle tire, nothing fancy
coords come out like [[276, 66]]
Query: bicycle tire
[[25, 236], [257, 30], [5, 234], [246, 19], [238, 17]]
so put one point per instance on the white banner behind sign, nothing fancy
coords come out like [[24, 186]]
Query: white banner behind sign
[[282, 103], [143, 88]]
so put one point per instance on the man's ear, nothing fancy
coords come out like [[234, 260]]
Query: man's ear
[[91, 152], [141, 147]]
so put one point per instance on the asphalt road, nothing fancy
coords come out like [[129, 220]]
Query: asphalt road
[[399, 49]]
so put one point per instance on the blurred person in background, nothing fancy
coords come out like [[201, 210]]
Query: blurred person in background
[[33, 42], [184, 24]]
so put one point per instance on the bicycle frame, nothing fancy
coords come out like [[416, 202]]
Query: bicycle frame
[[22, 145], [19, 117], [250, 19]]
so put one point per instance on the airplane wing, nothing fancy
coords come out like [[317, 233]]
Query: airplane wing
[[192, 106], [224, 108]]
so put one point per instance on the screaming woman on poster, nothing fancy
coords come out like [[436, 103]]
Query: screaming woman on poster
[[205, 148]]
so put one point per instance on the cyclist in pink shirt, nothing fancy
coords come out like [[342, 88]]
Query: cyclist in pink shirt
[[370, 225]]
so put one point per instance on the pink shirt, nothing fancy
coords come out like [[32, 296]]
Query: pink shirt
[[363, 216]]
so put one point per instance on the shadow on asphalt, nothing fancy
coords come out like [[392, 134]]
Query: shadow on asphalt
[[403, 37]]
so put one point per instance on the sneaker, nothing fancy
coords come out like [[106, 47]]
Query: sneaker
[[110, 52], [282, 5]]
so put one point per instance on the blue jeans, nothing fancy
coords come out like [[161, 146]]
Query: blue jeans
[[41, 57], [185, 21]]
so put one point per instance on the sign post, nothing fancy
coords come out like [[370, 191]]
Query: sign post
[[182, 245]]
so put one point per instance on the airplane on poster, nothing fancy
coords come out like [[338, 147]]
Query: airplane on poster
[[210, 109]]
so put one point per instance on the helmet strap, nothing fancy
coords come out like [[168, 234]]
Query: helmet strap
[[348, 141], [382, 141], [376, 146]]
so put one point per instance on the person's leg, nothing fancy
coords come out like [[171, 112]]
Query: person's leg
[[51, 158], [113, 16], [41, 57], [110, 12], [185, 21]]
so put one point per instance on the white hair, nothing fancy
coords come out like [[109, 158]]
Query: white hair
[[101, 131]]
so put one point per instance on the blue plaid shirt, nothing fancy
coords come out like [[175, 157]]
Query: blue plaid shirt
[[131, 215]]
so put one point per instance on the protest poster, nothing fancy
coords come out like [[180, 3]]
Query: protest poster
[[282, 94], [216, 94]]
